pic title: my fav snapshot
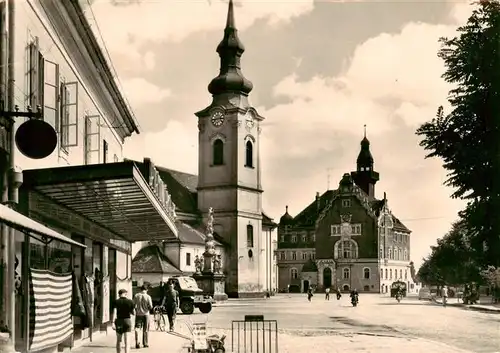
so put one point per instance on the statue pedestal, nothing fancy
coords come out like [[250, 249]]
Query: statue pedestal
[[213, 284]]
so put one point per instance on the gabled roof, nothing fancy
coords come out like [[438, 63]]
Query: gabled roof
[[317, 209], [151, 259], [308, 216]]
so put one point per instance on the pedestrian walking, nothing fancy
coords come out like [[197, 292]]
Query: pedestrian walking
[[121, 318], [309, 294], [327, 293], [338, 294], [444, 294], [171, 305], [143, 305]]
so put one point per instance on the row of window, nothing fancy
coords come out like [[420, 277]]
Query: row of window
[[388, 274], [346, 273], [294, 255], [303, 238], [394, 254], [337, 229], [401, 238], [58, 99], [218, 153]]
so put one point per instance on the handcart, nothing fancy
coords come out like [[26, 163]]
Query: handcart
[[199, 342]]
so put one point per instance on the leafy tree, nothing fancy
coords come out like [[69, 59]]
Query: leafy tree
[[452, 260], [467, 139]]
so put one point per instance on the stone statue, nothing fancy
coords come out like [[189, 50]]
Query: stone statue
[[209, 243], [218, 263], [198, 264]]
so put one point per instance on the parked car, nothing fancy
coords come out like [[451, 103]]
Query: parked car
[[426, 293]]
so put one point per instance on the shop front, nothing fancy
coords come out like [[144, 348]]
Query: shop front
[[102, 209]]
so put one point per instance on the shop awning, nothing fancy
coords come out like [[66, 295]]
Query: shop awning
[[25, 224], [114, 195]]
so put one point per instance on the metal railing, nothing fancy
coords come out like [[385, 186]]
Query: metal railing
[[254, 335]]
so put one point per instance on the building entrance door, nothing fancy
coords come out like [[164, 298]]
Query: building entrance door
[[327, 277], [306, 286]]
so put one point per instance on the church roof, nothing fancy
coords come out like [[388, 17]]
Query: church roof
[[182, 188], [192, 235], [151, 259]]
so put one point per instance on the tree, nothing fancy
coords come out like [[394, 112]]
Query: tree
[[452, 260], [468, 138]]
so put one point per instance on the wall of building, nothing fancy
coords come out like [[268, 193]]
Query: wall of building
[[61, 68], [352, 276]]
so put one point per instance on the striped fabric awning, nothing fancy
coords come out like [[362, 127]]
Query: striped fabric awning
[[50, 309]]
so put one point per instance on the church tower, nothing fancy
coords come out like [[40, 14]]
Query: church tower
[[229, 177], [365, 176]]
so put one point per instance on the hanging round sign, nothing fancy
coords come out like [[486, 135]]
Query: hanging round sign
[[36, 139]]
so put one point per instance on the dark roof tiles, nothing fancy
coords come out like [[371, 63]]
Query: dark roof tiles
[[151, 259]]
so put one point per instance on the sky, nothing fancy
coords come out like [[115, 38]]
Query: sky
[[321, 70]]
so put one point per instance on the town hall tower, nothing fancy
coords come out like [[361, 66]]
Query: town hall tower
[[229, 168]]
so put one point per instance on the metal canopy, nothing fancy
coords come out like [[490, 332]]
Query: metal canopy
[[25, 224], [115, 195]]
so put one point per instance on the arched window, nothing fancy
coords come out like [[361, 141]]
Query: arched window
[[406, 255], [381, 253], [406, 274], [400, 274], [390, 253], [366, 273], [294, 255], [294, 274], [250, 236], [218, 152], [400, 254], [346, 273], [390, 273], [381, 274], [396, 254], [249, 154], [386, 277], [347, 249]]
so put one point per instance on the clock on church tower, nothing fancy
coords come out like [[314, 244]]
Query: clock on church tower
[[229, 176]]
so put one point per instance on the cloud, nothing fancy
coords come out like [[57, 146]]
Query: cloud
[[140, 92], [163, 147], [392, 82], [171, 20]]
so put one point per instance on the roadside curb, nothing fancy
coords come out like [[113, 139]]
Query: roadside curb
[[473, 307]]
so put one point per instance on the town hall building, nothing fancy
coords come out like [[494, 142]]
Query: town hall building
[[345, 239], [228, 180]]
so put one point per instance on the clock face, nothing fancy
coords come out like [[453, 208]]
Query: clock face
[[217, 118], [249, 121]]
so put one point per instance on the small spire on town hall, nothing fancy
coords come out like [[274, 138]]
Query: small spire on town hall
[[230, 49], [365, 158]]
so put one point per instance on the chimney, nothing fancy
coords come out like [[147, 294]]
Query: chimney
[[317, 201]]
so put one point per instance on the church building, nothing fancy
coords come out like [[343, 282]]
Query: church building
[[345, 238], [228, 180]]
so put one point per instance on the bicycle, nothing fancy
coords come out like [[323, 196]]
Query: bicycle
[[159, 313]]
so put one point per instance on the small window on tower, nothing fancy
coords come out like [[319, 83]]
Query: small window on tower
[[218, 152], [249, 154], [250, 236], [346, 203]]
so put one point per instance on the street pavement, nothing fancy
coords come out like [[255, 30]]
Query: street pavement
[[378, 324]]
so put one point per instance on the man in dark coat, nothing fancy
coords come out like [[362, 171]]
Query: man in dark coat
[[171, 304]]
